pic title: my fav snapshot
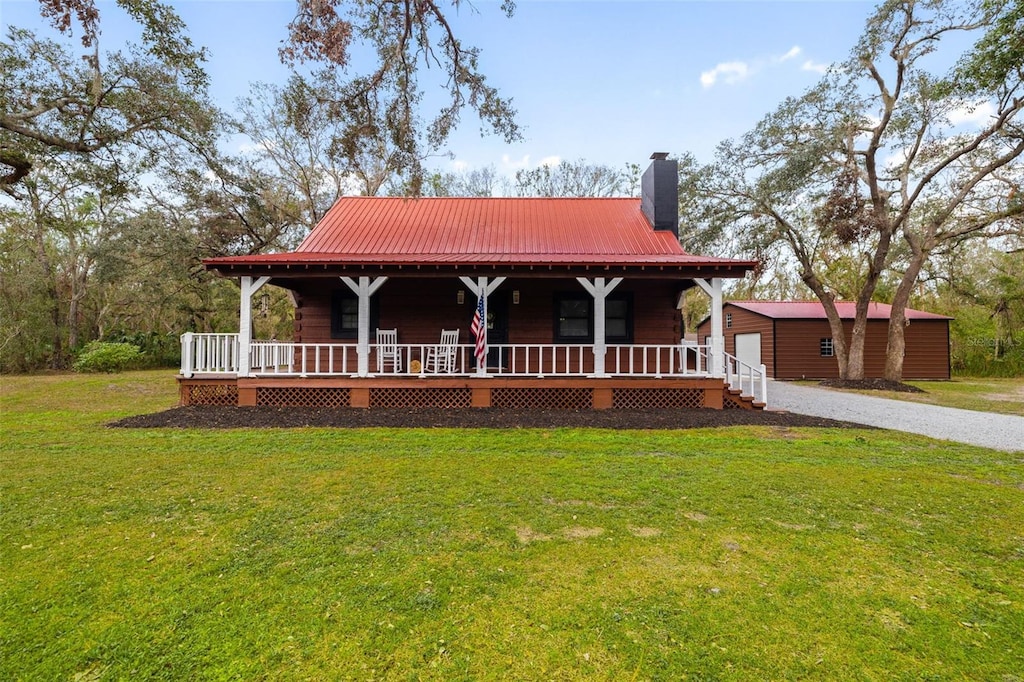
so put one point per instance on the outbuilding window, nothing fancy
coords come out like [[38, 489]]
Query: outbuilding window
[[827, 348], [728, 320]]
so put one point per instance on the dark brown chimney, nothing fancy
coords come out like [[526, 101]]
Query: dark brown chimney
[[659, 193]]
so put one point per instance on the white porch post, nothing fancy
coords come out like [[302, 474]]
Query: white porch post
[[717, 360], [364, 289], [249, 287], [599, 289], [186, 354], [481, 287]]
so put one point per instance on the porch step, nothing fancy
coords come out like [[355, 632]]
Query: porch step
[[734, 398]]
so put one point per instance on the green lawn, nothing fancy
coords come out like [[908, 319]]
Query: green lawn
[[729, 554], [1003, 396]]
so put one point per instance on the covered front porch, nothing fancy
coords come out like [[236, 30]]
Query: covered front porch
[[375, 369], [228, 369]]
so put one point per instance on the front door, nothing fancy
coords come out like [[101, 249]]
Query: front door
[[497, 329]]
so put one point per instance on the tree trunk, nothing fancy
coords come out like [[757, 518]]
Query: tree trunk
[[843, 347], [858, 335], [855, 362], [835, 323], [79, 280], [895, 346], [53, 302]]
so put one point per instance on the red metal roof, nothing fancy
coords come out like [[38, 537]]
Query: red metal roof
[[813, 310], [501, 231]]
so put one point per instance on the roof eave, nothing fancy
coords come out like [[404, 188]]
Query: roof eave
[[308, 268]]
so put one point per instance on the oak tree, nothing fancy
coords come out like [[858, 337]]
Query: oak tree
[[872, 168], [56, 102]]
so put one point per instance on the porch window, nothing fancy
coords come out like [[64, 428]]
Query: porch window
[[618, 319], [574, 318], [827, 348], [345, 315]]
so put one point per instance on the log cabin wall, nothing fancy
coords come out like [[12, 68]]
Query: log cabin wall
[[421, 308]]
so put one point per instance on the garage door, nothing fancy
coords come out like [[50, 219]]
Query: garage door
[[748, 348]]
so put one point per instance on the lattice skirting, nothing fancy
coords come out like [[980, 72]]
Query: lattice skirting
[[543, 398], [444, 398], [303, 397], [657, 398], [473, 396], [215, 394]]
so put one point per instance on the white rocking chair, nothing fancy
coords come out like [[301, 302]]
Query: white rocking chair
[[388, 354], [441, 358]]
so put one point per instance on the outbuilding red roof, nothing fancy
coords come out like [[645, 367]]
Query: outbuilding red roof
[[814, 310], [385, 231]]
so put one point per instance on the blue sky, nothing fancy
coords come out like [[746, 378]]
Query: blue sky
[[609, 81]]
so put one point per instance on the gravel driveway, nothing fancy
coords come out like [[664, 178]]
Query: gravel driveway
[[997, 431]]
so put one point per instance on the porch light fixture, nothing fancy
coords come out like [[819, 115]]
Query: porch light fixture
[[460, 297], [515, 296]]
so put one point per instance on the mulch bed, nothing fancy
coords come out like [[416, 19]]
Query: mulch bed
[[213, 417], [872, 385]]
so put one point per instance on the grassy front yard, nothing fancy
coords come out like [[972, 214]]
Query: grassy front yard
[[985, 394], [730, 554]]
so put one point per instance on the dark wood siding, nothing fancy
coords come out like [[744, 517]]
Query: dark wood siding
[[927, 356], [791, 349], [798, 350], [420, 308], [744, 322]]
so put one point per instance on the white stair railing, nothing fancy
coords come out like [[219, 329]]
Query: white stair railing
[[746, 378]]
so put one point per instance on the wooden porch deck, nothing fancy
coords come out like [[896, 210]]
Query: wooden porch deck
[[571, 393]]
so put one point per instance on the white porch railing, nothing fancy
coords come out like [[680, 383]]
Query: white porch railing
[[219, 354], [209, 354]]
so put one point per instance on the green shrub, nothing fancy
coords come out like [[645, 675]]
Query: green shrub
[[99, 356], [158, 350]]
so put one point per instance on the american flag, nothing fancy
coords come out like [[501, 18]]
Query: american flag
[[479, 331]]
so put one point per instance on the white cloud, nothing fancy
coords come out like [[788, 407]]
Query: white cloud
[[249, 146], [512, 164], [459, 165], [793, 52], [866, 127], [730, 72], [351, 185], [896, 158], [738, 71], [550, 161], [977, 114], [813, 66]]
